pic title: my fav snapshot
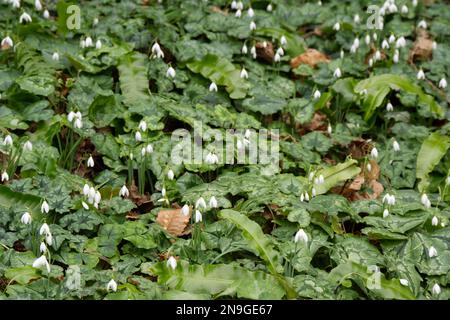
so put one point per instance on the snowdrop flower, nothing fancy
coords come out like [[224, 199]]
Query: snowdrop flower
[[301, 236], [90, 162], [156, 50], [317, 94], [393, 8], [280, 51], [356, 19], [26, 218], [337, 73], [185, 210], [283, 40], [88, 42], [238, 13], [28, 146], [142, 126], [95, 21], [404, 9], [277, 57], [385, 213], [404, 282], [44, 207], [356, 42], [434, 45], [313, 192], [244, 49], [138, 136], [213, 202], [329, 129], [15, 3], [41, 262], [353, 49], [252, 25], [8, 140], [396, 146], [7, 41], [86, 189], [425, 201], [98, 45], [163, 192], [401, 42], [172, 262], [78, 123], [45, 229], [391, 38], [369, 167], [420, 75], [250, 12], [337, 26], [111, 286], [91, 194], [377, 55], [375, 36], [367, 39], [370, 62], [149, 148], [389, 107], [46, 14], [342, 54], [395, 58], [49, 239], [447, 181], [25, 17], [244, 74], [38, 5], [71, 116], [198, 216], [200, 203], [302, 198], [443, 83], [436, 289], [269, 7], [85, 205], [43, 247], [170, 72], [213, 87], [374, 153], [5, 176], [306, 196], [55, 56], [253, 52], [240, 5], [234, 5], [414, 3], [170, 174], [432, 252], [98, 197], [422, 24], [434, 221], [385, 44], [124, 192]]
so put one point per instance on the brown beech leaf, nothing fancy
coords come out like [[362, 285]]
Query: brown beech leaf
[[374, 173], [173, 221], [264, 51], [311, 57], [422, 48], [357, 183], [359, 148]]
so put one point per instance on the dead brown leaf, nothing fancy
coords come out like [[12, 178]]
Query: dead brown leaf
[[173, 221], [374, 173], [357, 183], [264, 51], [359, 148], [311, 57], [422, 48], [217, 9]]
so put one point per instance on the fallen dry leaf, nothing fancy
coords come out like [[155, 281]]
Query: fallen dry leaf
[[264, 51], [357, 183], [422, 48], [374, 173], [311, 57], [173, 221]]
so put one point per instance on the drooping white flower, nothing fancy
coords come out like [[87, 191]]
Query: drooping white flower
[[240, 5], [367, 39], [5, 176], [111, 286], [447, 181], [170, 174], [252, 25], [250, 12], [313, 192], [98, 197], [302, 198], [269, 7], [374, 153], [369, 167], [213, 202], [374, 36], [38, 5], [434, 45], [317, 94], [337, 26], [88, 42], [78, 123], [443, 83], [337, 73], [41, 262], [253, 52], [404, 9], [434, 221], [15, 3], [244, 49], [393, 8], [432, 252], [213, 87], [436, 289], [404, 282], [391, 38], [143, 151], [329, 129], [25, 17], [45, 207], [46, 14], [424, 198], [142, 126], [163, 192], [8, 140], [395, 58], [356, 19], [98, 44], [200, 203], [301, 236], [198, 216], [401, 42], [86, 189], [306, 196], [138, 136], [342, 54], [7, 42], [149, 148], [49, 239], [43, 248], [395, 146], [211, 158], [85, 205], [280, 51], [385, 44], [283, 40], [26, 218], [71, 116], [124, 192], [422, 24], [95, 21], [370, 62], [185, 210], [172, 262], [244, 74], [170, 72], [238, 13], [234, 5], [377, 55], [385, 213], [415, 3], [277, 57], [156, 51], [44, 230], [90, 162], [55, 56], [389, 107], [420, 75], [91, 194]]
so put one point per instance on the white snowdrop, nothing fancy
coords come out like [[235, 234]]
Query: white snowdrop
[[5, 176], [170, 174], [43, 248], [420, 75], [250, 12], [337, 73], [86, 189], [385, 44], [238, 13], [401, 42], [25, 17], [434, 45], [415, 3], [7, 42], [156, 51], [301, 236], [434, 221], [389, 107], [138, 136], [391, 38], [213, 87], [200, 203], [78, 124], [253, 52], [49, 239], [85, 205], [98, 44], [424, 198], [377, 55], [337, 26], [302, 198], [329, 129], [124, 192], [432, 252], [55, 56], [313, 192], [306, 196], [252, 25], [240, 5], [369, 167], [269, 7], [316, 94], [395, 58], [170, 73], [44, 230], [111, 286], [374, 153], [172, 263], [45, 207], [385, 213], [244, 49], [163, 192], [392, 8], [367, 39], [26, 218], [88, 42], [342, 54], [244, 74], [41, 262], [90, 162], [283, 40], [198, 216], [185, 210], [38, 5], [447, 181], [277, 57], [422, 24], [370, 62], [374, 37], [149, 148], [395, 146], [142, 126], [356, 19], [8, 140], [233, 5], [280, 51], [14, 3], [443, 83], [213, 202], [404, 9], [436, 289], [46, 14]]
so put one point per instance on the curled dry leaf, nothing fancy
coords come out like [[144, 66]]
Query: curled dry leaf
[[264, 51], [311, 57], [173, 221], [422, 48]]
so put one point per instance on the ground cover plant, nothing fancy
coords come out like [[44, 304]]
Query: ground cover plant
[[117, 183]]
